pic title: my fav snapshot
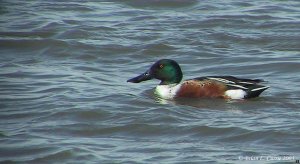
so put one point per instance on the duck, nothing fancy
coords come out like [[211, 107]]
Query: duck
[[171, 85]]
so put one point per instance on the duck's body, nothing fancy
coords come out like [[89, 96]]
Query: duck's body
[[212, 87], [229, 87]]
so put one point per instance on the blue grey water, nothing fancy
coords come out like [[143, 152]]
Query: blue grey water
[[64, 96]]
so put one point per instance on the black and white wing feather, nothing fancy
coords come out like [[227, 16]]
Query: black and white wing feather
[[251, 87]]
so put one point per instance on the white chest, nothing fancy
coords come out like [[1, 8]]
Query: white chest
[[167, 91]]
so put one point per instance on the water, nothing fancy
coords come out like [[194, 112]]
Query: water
[[64, 96]]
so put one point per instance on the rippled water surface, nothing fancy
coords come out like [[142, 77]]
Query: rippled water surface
[[64, 66]]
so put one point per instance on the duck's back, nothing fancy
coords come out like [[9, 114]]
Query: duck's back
[[221, 86]]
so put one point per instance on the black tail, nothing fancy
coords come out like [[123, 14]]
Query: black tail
[[255, 91]]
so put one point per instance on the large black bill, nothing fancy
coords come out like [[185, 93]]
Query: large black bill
[[143, 77]]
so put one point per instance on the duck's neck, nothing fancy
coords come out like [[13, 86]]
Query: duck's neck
[[174, 81], [168, 83]]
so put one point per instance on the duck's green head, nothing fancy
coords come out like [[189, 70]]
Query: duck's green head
[[166, 70]]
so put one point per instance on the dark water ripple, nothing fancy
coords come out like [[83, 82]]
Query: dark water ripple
[[64, 66]]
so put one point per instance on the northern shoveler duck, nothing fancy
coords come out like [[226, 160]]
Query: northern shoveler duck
[[170, 74]]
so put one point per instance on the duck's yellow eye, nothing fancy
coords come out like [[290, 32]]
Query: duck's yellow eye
[[161, 66]]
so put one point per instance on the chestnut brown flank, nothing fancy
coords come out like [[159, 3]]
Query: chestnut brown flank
[[206, 88]]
